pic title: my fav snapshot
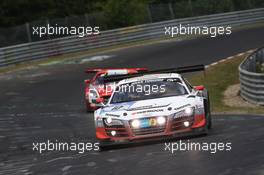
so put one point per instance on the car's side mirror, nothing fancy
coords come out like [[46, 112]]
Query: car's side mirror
[[199, 88], [99, 100]]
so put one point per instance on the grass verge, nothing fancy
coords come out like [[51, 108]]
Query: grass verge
[[217, 79]]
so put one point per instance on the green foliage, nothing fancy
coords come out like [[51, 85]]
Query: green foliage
[[223, 6], [124, 12], [183, 9], [15, 12], [243, 4], [202, 7], [117, 13]]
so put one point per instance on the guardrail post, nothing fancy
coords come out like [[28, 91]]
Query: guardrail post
[[1, 57]]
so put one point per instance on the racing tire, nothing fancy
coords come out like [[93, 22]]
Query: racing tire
[[207, 109], [89, 109], [209, 118]]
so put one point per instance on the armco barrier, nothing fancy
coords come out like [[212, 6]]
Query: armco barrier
[[43, 49], [251, 82]]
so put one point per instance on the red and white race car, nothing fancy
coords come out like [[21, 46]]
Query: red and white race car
[[155, 104], [96, 88]]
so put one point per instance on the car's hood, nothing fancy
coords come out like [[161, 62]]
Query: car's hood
[[145, 108]]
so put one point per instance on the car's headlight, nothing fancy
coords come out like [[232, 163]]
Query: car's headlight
[[92, 94], [189, 111], [112, 122], [161, 120], [108, 120], [135, 123]]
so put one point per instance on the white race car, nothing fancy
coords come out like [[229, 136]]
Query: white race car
[[153, 105]]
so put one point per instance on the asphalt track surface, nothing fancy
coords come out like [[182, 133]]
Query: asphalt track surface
[[46, 103]]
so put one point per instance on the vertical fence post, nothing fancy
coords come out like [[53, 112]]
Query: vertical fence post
[[191, 6], [149, 13], [86, 19], [28, 32], [171, 11], [47, 22]]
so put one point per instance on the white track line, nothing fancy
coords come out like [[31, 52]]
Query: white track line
[[229, 58]]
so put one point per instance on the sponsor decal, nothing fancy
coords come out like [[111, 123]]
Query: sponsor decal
[[152, 122], [112, 115], [117, 108], [184, 106], [147, 107], [148, 111]]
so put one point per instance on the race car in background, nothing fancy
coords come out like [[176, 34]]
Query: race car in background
[[97, 88], [178, 108]]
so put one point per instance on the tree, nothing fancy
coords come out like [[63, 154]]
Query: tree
[[125, 12]]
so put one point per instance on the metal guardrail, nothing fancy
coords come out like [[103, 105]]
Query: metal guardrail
[[251, 82], [44, 49]]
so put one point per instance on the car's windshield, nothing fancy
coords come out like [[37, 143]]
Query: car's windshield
[[99, 80], [148, 89]]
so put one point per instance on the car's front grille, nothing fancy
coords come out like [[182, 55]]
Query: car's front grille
[[178, 123], [148, 130]]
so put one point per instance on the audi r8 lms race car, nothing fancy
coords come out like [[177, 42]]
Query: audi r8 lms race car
[[153, 105], [95, 87]]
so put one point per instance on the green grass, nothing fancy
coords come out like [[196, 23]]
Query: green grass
[[217, 79]]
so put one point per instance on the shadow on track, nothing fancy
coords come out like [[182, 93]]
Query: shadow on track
[[138, 143]]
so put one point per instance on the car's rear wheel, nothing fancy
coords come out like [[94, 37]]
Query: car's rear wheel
[[207, 111], [209, 116]]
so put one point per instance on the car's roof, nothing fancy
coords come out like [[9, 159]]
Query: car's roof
[[149, 77]]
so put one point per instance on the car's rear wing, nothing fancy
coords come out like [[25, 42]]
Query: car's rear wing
[[95, 70], [184, 69]]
